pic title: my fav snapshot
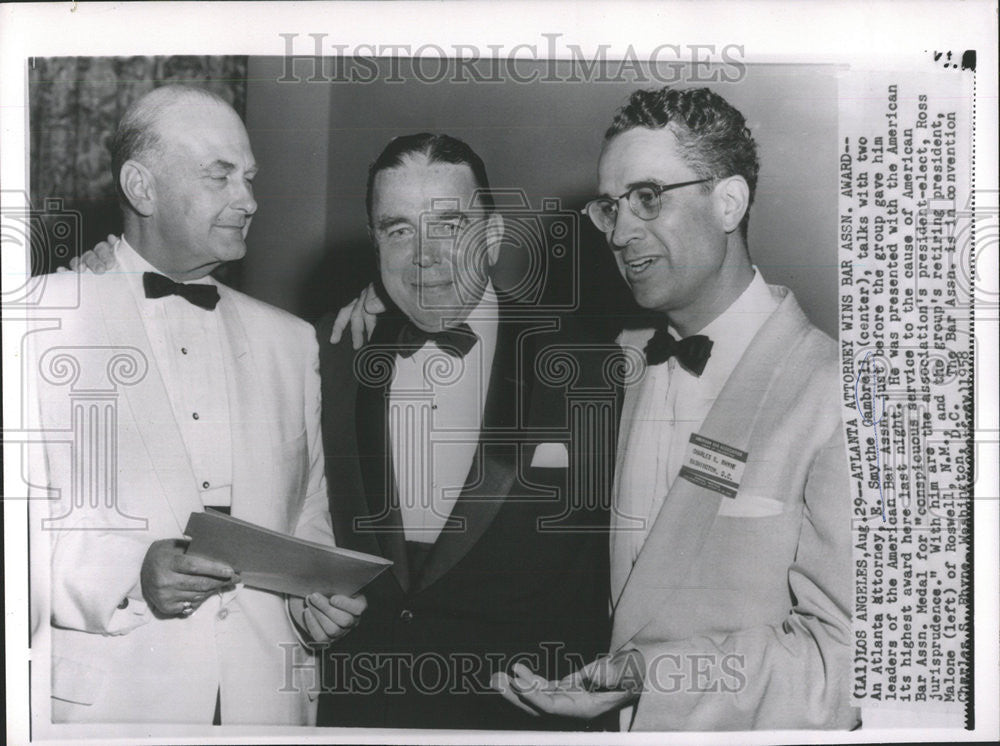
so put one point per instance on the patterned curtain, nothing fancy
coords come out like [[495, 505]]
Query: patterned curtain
[[75, 105]]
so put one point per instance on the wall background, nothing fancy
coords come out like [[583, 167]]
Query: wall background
[[309, 250]]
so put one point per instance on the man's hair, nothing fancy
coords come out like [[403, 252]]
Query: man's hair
[[137, 137], [437, 149], [713, 136]]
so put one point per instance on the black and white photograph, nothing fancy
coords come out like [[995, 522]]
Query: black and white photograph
[[617, 375]]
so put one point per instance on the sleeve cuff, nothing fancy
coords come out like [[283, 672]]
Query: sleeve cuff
[[299, 632], [131, 613]]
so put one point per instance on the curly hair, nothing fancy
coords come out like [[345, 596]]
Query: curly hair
[[712, 134]]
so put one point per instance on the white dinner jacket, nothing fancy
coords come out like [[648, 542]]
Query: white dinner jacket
[[98, 392], [741, 607]]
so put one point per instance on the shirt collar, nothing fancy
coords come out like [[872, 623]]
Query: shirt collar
[[733, 330], [130, 262], [133, 264], [483, 318], [745, 316]]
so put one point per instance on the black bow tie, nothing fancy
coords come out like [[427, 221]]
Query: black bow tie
[[202, 295], [456, 341], [691, 352]]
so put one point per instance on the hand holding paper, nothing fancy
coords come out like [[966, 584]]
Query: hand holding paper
[[177, 583], [275, 561], [327, 619]]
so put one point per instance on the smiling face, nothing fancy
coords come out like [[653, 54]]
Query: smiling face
[[688, 260], [203, 192], [434, 252]]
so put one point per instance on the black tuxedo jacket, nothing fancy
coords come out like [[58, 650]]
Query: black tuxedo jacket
[[521, 572]]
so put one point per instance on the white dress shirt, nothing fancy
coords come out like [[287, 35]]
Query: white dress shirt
[[436, 407], [673, 403], [187, 343]]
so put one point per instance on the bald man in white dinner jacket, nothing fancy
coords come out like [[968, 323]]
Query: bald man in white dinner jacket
[[113, 658], [157, 397]]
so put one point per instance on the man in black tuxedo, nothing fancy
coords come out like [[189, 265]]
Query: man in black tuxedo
[[449, 449]]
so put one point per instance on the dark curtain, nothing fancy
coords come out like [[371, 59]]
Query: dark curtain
[[75, 104]]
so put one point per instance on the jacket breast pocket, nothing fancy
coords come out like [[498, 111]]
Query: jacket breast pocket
[[750, 506], [752, 554]]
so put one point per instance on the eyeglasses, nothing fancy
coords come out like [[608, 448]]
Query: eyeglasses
[[644, 200]]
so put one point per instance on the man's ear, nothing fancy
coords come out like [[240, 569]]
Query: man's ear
[[137, 185], [494, 236], [733, 201]]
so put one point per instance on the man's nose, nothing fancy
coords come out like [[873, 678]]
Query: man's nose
[[628, 227], [244, 200], [428, 251]]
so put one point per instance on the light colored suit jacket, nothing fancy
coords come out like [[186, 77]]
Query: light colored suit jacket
[[110, 431], [741, 607]]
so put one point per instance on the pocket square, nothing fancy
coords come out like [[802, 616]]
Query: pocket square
[[750, 506], [550, 456]]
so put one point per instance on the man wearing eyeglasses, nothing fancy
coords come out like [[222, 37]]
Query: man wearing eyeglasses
[[730, 548]]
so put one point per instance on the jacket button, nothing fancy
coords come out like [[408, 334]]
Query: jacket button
[[223, 614], [406, 616]]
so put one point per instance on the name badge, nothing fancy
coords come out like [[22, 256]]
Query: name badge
[[713, 465]]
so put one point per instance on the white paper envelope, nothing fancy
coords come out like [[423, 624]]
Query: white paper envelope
[[274, 561], [550, 456]]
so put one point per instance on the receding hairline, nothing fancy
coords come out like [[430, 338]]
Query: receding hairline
[[436, 148], [167, 97], [154, 108], [140, 136], [420, 158]]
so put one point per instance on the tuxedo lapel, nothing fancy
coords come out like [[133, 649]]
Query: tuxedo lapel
[[492, 475], [148, 403], [380, 516], [494, 465], [251, 442], [621, 562], [688, 512]]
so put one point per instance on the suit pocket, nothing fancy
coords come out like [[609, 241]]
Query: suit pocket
[[76, 682], [751, 555], [750, 506]]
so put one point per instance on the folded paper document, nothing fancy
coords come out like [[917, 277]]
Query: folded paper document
[[277, 562]]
